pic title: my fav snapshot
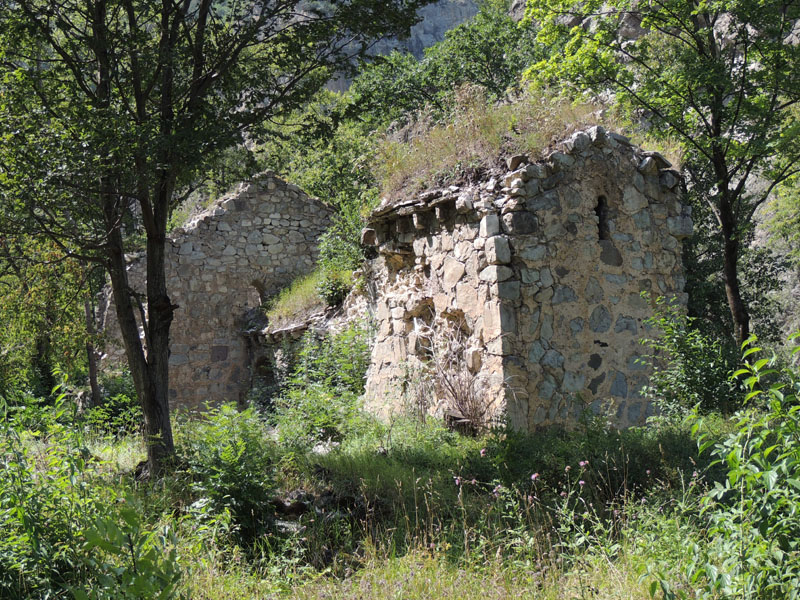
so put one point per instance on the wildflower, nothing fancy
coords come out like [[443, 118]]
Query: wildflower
[[648, 472], [474, 481], [567, 469], [457, 480], [583, 463], [483, 452], [694, 474], [496, 490], [581, 483], [563, 494], [534, 477]]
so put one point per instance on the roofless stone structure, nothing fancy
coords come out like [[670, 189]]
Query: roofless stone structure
[[245, 247], [530, 285], [523, 290]]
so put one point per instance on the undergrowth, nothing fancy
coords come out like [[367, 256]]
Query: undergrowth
[[406, 508]]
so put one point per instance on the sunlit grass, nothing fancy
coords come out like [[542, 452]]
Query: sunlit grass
[[297, 300], [480, 133]]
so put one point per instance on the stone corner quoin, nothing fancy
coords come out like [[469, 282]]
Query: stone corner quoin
[[245, 247], [540, 272]]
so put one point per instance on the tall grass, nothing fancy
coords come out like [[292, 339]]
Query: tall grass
[[478, 133]]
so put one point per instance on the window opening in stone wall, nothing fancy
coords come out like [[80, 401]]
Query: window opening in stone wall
[[601, 210]]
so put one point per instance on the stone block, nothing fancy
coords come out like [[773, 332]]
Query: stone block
[[564, 293], [508, 290], [619, 387], [497, 250], [495, 273], [600, 319], [453, 270], [490, 226], [520, 223], [573, 382], [533, 253], [681, 227]]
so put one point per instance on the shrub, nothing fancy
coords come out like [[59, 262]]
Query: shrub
[[689, 369], [334, 285], [118, 416], [322, 399], [229, 457], [65, 529], [316, 413], [754, 513]]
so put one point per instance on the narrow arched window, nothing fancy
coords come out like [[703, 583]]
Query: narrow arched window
[[601, 210]]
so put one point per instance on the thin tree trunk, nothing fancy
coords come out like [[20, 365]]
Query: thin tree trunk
[[148, 369], [730, 269], [91, 353]]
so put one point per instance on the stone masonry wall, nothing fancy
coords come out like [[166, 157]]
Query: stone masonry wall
[[244, 248], [541, 269]]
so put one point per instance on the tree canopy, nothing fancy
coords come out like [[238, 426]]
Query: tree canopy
[[109, 109], [721, 78]]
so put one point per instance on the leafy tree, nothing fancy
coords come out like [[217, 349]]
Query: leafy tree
[[718, 77], [109, 109], [489, 50], [42, 309]]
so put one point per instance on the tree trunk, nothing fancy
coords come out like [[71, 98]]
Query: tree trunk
[[148, 360], [91, 352], [730, 269]]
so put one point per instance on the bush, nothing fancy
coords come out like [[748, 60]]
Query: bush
[[229, 458], [689, 369], [118, 416], [65, 529], [304, 416], [754, 513], [334, 285], [322, 399]]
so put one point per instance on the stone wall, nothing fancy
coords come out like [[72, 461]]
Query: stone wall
[[244, 248], [539, 273]]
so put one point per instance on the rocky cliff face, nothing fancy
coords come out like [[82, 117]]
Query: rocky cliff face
[[437, 19]]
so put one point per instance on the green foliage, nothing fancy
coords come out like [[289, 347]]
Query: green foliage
[[753, 513], [490, 50], [322, 399], [718, 78], [690, 370], [130, 560], [41, 308], [120, 414], [63, 530], [229, 457]]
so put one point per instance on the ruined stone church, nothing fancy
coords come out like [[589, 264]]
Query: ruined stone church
[[536, 274]]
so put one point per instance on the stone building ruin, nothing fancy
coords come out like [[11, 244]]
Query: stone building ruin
[[537, 276], [531, 281], [245, 247]]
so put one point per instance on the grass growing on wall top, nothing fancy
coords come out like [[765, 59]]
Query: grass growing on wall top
[[299, 299], [479, 133]]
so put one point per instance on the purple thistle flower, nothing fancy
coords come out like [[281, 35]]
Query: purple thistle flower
[[534, 477], [483, 452], [581, 482]]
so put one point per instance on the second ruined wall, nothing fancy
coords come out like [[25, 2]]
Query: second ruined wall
[[245, 247]]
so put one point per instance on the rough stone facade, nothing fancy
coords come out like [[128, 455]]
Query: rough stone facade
[[539, 273], [244, 248]]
